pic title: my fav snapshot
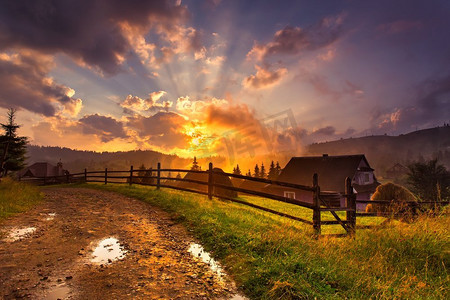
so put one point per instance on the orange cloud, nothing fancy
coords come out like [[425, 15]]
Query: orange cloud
[[264, 78]]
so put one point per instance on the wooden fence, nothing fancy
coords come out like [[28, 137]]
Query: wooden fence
[[317, 205]]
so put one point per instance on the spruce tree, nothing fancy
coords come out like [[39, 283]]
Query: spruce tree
[[262, 172], [278, 169], [195, 166], [273, 174], [249, 174], [12, 147], [237, 171], [256, 174]]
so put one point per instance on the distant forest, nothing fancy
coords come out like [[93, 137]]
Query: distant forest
[[384, 151], [381, 151]]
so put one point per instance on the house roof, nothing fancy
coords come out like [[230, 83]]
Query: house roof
[[332, 170], [41, 169]]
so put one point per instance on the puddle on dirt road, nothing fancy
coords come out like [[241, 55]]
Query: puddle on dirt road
[[197, 251], [50, 216], [61, 291], [16, 233], [107, 251]]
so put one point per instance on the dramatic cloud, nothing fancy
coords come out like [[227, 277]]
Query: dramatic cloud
[[197, 108], [107, 128], [293, 40], [431, 108], [24, 83], [264, 78], [78, 29], [230, 116], [328, 130], [149, 104], [163, 130]]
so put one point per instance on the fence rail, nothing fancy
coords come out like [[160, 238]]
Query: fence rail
[[211, 188]]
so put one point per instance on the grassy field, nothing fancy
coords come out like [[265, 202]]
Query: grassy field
[[16, 197], [272, 257]]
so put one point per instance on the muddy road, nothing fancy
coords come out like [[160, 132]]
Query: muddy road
[[89, 244]]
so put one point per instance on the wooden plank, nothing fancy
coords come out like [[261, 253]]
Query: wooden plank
[[336, 222], [265, 209], [265, 195], [336, 209]]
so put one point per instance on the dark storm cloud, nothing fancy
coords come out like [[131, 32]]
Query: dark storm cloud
[[431, 108], [106, 128], [85, 30], [293, 40], [164, 129], [24, 84], [328, 130]]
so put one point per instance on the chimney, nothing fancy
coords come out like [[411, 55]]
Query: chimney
[[325, 155]]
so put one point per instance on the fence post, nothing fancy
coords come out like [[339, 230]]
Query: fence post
[[131, 175], [210, 181], [316, 211], [158, 178], [106, 175], [85, 175], [351, 204]]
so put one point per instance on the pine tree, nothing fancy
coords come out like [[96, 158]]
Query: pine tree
[[278, 169], [195, 166], [249, 174], [148, 177], [262, 172], [12, 147], [273, 174], [237, 171], [178, 175], [140, 174], [256, 174]]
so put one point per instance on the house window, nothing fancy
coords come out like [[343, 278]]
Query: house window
[[289, 195], [366, 177]]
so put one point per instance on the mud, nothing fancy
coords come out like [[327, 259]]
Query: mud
[[89, 244]]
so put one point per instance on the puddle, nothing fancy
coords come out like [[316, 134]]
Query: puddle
[[197, 251], [50, 216], [107, 251], [58, 292], [16, 234]]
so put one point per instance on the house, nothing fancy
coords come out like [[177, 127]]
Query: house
[[43, 169], [218, 178], [332, 172], [396, 171]]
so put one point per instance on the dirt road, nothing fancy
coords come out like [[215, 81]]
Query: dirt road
[[88, 244]]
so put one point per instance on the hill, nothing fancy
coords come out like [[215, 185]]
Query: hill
[[76, 160], [384, 151]]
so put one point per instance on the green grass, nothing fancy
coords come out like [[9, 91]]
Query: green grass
[[272, 257], [17, 197]]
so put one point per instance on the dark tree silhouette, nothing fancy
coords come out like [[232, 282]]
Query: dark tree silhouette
[[278, 169], [262, 171], [195, 166], [178, 176], [429, 180], [147, 177], [249, 174], [273, 174], [256, 174], [141, 173], [12, 147], [236, 170]]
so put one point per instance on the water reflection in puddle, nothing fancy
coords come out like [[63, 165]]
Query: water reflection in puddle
[[107, 251], [50, 216], [197, 251], [58, 292], [19, 233]]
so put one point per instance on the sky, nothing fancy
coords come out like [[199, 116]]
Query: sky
[[231, 78]]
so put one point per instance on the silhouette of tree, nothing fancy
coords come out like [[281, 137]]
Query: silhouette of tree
[[195, 166], [237, 171], [12, 147], [249, 174], [256, 174], [429, 180], [272, 175], [278, 169], [262, 172], [178, 175], [169, 175]]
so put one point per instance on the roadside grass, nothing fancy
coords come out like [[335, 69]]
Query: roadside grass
[[17, 197], [272, 257]]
